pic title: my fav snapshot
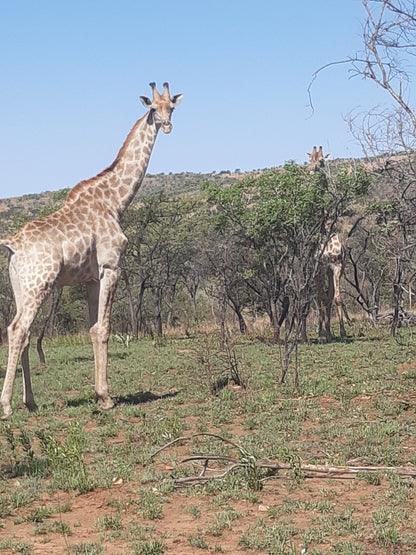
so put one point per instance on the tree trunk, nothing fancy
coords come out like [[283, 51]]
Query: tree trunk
[[274, 320], [241, 322], [303, 330], [159, 326], [397, 297], [130, 303], [223, 314], [139, 309], [170, 301]]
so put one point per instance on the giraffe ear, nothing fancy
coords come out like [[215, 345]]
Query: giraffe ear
[[145, 101], [176, 100], [327, 156]]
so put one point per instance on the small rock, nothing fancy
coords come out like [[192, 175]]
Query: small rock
[[263, 508]]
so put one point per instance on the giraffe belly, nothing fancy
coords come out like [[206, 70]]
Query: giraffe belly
[[70, 276], [77, 269]]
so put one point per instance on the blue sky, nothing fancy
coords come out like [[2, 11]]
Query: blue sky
[[72, 73]]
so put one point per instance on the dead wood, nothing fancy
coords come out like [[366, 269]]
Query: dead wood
[[248, 462]]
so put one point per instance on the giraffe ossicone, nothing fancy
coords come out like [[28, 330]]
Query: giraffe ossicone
[[81, 243]]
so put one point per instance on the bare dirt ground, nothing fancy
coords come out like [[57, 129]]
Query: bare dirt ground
[[178, 524]]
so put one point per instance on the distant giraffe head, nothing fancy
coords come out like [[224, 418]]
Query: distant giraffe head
[[317, 158], [161, 107]]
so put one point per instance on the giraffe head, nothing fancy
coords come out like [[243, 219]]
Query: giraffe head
[[317, 158], [161, 107]]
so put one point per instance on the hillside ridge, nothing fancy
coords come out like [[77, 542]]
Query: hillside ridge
[[30, 206]]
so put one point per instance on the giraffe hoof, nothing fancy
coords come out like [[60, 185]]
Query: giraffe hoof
[[6, 414], [106, 404], [31, 407]]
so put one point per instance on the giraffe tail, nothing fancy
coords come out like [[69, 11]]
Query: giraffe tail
[[8, 242]]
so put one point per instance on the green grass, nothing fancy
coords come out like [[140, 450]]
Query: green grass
[[356, 403], [85, 549]]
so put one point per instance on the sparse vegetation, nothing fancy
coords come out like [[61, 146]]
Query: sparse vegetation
[[75, 476]]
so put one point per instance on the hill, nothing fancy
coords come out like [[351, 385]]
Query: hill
[[16, 210]]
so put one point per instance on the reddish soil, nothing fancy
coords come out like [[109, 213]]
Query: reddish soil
[[178, 524]]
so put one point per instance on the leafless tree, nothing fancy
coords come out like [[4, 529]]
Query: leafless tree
[[389, 46]]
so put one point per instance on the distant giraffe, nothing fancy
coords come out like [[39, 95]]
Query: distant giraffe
[[81, 243], [330, 270]]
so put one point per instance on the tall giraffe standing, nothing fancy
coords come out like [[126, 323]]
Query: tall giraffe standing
[[330, 270], [82, 243]]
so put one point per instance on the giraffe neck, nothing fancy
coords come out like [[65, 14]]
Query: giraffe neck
[[116, 186]]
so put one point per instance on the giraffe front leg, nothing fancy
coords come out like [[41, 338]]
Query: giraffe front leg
[[100, 298], [328, 333], [324, 324], [340, 312], [99, 336]]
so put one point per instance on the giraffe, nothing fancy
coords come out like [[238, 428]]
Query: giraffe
[[330, 269], [81, 243]]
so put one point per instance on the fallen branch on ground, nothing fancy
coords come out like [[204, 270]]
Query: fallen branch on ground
[[246, 461]]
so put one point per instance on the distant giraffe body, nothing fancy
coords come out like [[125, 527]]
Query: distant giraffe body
[[82, 243], [328, 288], [330, 270]]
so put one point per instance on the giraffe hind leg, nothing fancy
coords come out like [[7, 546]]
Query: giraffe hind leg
[[28, 398], [18, 337], [27, 306]]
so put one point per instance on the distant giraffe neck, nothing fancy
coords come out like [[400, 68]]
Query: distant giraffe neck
[[116, 186]]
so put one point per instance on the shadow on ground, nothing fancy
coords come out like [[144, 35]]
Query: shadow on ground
[[143, 397]]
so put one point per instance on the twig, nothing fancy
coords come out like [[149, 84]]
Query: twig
[[177, 440], [317, 72], [208, 458], [204, 469], [189, 479], [193, 436]]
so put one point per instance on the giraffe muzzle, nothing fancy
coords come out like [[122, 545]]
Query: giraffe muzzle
[[166, 126]]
